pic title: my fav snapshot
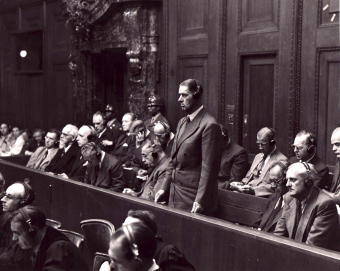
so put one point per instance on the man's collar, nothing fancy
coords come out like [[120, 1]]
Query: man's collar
[[68, 147], [101, 159], [194, 114], [307, 161], [102, 132]]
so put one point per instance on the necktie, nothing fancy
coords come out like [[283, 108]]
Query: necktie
[[43, 157], [62, 154], [297, 217], [183, 126]]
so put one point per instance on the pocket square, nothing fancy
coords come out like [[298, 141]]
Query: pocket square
[[125, 145], [86, 163]]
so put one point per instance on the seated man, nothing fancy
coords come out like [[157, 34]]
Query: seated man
[[309, 214], [103, 170], [277, 177], [21, 137], [107, 138], [50, 249], [257, 181], [67, 153], [35, 142], [155, 107], [111, 118], [164, 136], [155, 158], [168, 257], [17, 195], [234, 162], [85, 135], [43, 156], [7, 139], [125, 144], [305, 151]]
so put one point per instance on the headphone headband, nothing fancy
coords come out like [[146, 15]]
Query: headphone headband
[[32, 232], [306, 166], [129, 235]]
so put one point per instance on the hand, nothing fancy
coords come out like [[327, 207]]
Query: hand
[[142, 172], [158, 195], [235, 185], [197, 208], [28, 153], [107, 143], [63, 175], [140, 137], [246, 189], [130, 192]]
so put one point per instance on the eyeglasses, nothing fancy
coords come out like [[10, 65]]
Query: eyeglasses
[[9, 196], [276, 182], [261, 144]]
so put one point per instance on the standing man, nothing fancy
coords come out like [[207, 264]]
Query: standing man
[[107, 138], [305, 151], [43, 156], [155, 107], [311, 216], [111, 118], [195, 159], [67, 153]]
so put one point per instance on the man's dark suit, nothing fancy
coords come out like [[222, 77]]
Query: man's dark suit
[[169, 147], [115, 124], [335, 187], [79, 168], [319, 223], [194, 164], [124, 148], [155, 180], [63, 163], [234, 164], [110, 135], [321, 169], [110, 174]]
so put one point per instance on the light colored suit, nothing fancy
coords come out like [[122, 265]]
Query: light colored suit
[[37, 160], [262, 186]]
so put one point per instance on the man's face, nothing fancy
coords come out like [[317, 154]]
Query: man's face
[[50, 139], [186, 98], [153, 110], [263, 143], [276, 179], [296, 181], [91, 157], [147, 157], [66, 137], [126, 122], [301, 148], [335, 141], [159, 132], [37, 136], [118, 258], [4, 129], [11, 201], [16, 132], [83, 133], [109, 115], [98, 123], [21, 236]]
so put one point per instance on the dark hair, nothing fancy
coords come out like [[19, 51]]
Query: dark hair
[[193, 85], [142, 236], [310, 139], [55, 131], [146, 217], [38, 130], [37, 217], [283, 164]]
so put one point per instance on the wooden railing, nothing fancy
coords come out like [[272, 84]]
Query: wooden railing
[[209, 243]]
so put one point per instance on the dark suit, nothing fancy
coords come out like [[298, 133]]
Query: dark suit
[[335, 187], [169, 147], [63, 164], [124, 148], [115, 124], [110, 135], [261, 185], [319, 223], [149, 123], [79, 168], [194, 164], [110, 174], [234, 164], [155, 180], [321, 169]]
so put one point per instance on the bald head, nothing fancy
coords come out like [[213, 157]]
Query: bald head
[[14, 194], [264, 139], [335, 141]]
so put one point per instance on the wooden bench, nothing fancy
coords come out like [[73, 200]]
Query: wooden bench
[[21, 160]]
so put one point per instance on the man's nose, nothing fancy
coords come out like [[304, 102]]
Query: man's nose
[[334, 148], [180, 99]]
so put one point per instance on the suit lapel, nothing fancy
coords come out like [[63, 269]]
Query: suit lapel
[[270, 161], [291, 218], [336, 177], [306, 215], [49, 157], [271, 206], [257, 160], [102, 172]]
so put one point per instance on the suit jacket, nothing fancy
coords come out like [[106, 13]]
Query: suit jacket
[[234, 164], [110, 174], [319, 223], [169, 147], [321, 169], [195, 163], [37, 160], [267, 224], [63, 164], [78, 170], [155, 180], [149, 123], [335, 187], [124, 148], [262, 186], [110, 135]]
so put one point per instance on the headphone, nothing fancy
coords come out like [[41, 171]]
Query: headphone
[[308, 182], [31, 231], [273, 141], [197, 94], [311, 148], [29, 193], [132, 243], [166, 128]]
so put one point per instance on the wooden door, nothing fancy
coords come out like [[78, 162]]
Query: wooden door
[[260, 70]]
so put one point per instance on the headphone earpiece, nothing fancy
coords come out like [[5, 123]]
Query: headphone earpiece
[[272, 142], [197, 93], [133, 246], [31, 231], [308, 182], [154, 154], [29, 193]]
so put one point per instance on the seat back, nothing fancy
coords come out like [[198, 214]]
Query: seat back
[[99, 259], [53, 223], [76, 238], [97, 234]]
